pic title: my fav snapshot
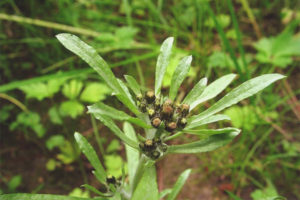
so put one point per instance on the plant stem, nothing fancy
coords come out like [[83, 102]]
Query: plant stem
[[14, 101], [138, 173]]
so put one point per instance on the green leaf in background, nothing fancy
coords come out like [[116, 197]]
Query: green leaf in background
[[131, 153], [94, 92], [208, 120], [67, 153], [72, 89], [133, 84], [90, 55], [241, 92], [71, 108], [91, 155], [114, 165], [179, 75], [147, 187], [113, 146], [14, 183], [29, 120], [54, 115], [102, 109], [268, 193], [213, 89], [209, 144], [179, 184], [38, 197], [77, 192], [113, 127], [55, 141], [162, 63], [51, 164], [196, 92], [224, 21], [42, 90]]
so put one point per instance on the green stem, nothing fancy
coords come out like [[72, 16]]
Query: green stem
[[138, 173], [14, 101]]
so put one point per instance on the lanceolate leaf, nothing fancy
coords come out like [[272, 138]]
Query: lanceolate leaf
[[126, 98], [179, 184], [209, 132], [39, 197], [162, 63], [91, 155], [131, 154], [213, 89], [133, 84], [209, 144], [102, 109], [243, 91], [113, 127], [147, 187], [179, 75], [208, 120], [196, 92], [90, 55]]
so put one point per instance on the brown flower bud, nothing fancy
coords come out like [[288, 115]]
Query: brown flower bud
[[168, 102], [167, 111], [149, 144], [171, 126], [150, 96], [111, 179], [185, 108], [156, 122]]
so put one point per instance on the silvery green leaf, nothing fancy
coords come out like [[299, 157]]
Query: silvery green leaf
[[179, 184], [133, 84], [208, 120], [196, 92]]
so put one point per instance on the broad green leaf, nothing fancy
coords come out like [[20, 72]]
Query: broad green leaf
[[126, 98], [179, 75], [131, 153], [55, 141], [133, 84], [241, 92], [94, 92], [71, 108], [213, 89], [102, 109], [38, 197], [91, 155], [209, 132], [90, 55], [209, 144], [162, 63], [113, 127], [179, 184], [72, 89], [196, 92], [208, 120], [147, 187]]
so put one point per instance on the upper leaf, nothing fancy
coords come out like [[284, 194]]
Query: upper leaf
[[179, 75], [207, 120], [196, 92], [179, 184], [243, 91], [91, 155], [133, 84], [162, 63]]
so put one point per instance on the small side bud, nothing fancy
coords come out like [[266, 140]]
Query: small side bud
[[139, 97], [185, 109], [111, 179], [149, 144], [182, 122], [155, 155], [167, 111], [150, 96], [163, 147], [143, 107], [171, 126], [156, 122], [157, 104], [151, 112]]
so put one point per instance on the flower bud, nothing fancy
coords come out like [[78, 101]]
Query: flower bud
[[151, 112], [139, 97], [156, 122], [163, 147], [167, 111], [168, 102], [142, 106], [149, 144], [157, 104], [155, 154], [171, 126], [111, 179], [185, 108], [150, 96], [182, 122]]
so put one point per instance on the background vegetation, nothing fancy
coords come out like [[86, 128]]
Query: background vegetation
[[45, 89]]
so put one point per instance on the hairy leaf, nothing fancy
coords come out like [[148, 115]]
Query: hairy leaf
[[179, 184], [209, 132], [208, 120], [196, 92], [133, 84]]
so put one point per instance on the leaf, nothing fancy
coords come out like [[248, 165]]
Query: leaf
[[209, 144], [91, 155], [131, 153], [72, 89], [54, 115], [209, 132], [55, 141], [71, 108], [14, 182], [213, 89], [102, 109], [112, 126], [94, 92], [179, 75], [133, 84], [38, 197], [90, 55], [126, 98], [147, 187], [77, 192], [196, 92], [179, 184], [93, 189], [114, 165], [162, 63], [241, 92], [164, 193], [208, 120]]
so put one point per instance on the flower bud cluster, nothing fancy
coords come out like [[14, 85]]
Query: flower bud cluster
[[173, 116], [153, 148]]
